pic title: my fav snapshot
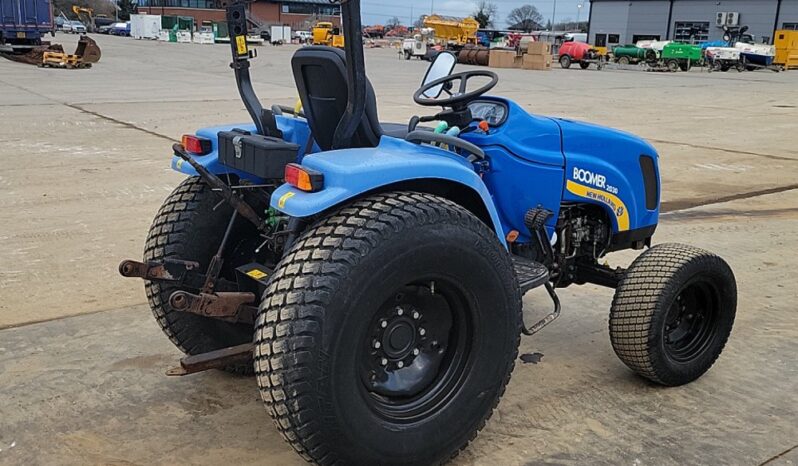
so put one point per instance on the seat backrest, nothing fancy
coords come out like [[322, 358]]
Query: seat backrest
[[320, 75]]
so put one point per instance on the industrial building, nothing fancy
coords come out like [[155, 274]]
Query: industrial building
[[299, 14], [615, 22]]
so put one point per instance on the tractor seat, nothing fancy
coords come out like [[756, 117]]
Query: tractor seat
[[320, 75]]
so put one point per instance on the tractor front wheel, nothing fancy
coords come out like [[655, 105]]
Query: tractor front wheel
[[388, 333], [673, 312]]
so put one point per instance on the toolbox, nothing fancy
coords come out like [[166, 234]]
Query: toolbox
[[262, 156]]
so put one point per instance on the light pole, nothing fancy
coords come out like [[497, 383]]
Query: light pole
[[578, 12], [554, 17], [432, 7]]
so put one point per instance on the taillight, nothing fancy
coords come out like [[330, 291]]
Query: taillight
[[195, 144], [303, 178]]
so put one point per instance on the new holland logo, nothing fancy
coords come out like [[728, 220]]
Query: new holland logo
[[610, 200]]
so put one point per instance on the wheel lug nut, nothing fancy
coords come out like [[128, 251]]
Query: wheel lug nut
[[383, 362], [384, 323], [399, 311], [422, 332], [377, 344], [415, 352], [416, 315], [400, 364]]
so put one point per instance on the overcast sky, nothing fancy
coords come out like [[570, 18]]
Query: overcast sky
[[379, 11]]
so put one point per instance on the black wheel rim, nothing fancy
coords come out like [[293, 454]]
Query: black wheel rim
[[417, 350], [691, 321]]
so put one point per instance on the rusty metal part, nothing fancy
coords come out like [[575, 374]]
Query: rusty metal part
[[53, 55], [217, 359], [169, 270], [474, 56], [233, 306], [35, 54], [215, 268], [217, 184], [88, 51]]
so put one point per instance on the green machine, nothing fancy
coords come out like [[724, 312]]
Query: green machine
[[632, 54], [677, 56], [674, 56]]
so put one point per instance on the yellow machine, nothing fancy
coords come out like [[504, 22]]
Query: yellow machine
[[450, 30], [325, 33], [786, 43], [85, 15]]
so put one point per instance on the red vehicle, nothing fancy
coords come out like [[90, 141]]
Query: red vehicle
[[579, 52]]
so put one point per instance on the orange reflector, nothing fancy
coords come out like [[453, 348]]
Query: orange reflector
[[484, 126], [195, 144], [512, 236], [303, 178]]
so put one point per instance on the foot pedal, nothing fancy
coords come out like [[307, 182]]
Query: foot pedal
[[535, 220]]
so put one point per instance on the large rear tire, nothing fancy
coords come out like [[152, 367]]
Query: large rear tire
[[187, 227], [673, 312], [388, 333]]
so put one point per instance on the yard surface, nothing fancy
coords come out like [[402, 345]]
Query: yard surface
[[85, 165]]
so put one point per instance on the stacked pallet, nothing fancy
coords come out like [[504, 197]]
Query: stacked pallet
[[537, 56]]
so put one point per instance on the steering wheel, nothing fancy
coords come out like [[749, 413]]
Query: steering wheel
[[461, 98]]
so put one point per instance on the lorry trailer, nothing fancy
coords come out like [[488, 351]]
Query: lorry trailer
[[23, 23]]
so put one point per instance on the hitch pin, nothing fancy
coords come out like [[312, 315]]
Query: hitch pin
[[432, 287]]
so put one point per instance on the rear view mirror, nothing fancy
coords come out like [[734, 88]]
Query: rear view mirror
[[441, 66]]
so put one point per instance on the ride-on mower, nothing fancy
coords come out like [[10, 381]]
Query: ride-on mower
[[379, 268]]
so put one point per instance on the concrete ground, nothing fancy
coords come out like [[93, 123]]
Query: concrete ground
[[85, 165]]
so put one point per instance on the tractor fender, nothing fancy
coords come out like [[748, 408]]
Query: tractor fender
[[395, 163]]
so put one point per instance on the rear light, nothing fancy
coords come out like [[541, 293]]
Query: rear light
[[303, 178], [195, 144]]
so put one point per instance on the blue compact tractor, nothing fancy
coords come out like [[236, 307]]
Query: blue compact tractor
[[370, 274]]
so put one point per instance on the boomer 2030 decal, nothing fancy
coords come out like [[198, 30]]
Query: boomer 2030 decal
[[600, 191]]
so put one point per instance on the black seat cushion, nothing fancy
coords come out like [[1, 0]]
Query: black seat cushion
[[320, 75]]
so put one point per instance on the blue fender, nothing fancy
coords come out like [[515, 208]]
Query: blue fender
[[351, 172], [294, 130]]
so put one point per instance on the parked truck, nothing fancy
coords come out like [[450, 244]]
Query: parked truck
[[23, 23]]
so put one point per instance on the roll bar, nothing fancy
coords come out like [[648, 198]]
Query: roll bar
[[264, 119], [355, 73]]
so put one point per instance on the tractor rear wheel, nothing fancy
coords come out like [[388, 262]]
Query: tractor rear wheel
[[673, 312], [188, 228], [388, 333], [565, 62]]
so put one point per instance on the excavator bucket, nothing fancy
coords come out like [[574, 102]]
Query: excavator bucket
[[88, 51]]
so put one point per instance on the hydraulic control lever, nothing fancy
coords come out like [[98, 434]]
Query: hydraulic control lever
[[264, 119]]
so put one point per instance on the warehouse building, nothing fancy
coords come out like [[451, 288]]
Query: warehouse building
[[299, 14], [615, 22]]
